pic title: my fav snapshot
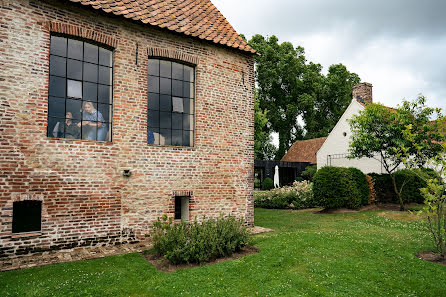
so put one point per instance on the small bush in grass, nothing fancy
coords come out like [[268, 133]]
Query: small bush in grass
[[297, 196], [337, 187], [198, 242], [268, 184]]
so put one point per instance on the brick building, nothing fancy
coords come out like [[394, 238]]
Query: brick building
[[113, 113]]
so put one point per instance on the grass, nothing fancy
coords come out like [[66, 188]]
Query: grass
[[359, 254]]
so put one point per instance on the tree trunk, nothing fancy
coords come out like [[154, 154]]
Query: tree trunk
[[398, 194]]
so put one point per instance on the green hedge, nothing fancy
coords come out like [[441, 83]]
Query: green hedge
[[198, 242], [338, 187], [411, 190], [268, 184]]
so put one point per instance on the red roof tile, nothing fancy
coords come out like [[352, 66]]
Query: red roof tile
[[198, 18], [304, 150]]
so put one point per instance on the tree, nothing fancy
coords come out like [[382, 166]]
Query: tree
[[434, 209], [290, 88], [263, 147], [378, 132]]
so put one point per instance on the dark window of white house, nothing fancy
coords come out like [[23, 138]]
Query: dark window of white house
[[181, 208], [26, 216], [80, 90], [171, 107]]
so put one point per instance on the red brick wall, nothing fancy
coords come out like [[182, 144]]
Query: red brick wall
[[86, 199]]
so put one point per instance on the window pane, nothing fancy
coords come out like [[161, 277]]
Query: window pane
[[88, 111], [188, 89], [56, 107], [177, 120], [90, 91], [105, 57], [177, 88], [153, 119], [188, 122], [74, 89], [57, 86], [165, 137], [69, 129], [154, 84], [188, 73], [165, 69], [154, 67], [177, 137], [74, 69], [57, 66], [90, 53], [89, 132], [165, 103], [165, 86], [177, 71], [153, 136], [188, 105], [105, 110], [58, 46], [177, 104], [165, 119], [154, 101], [74, 106], [90, 72], [103, 128], [26, 216], [104, 75], [53, 127], [188, 138], [104, 94], [75, 49]]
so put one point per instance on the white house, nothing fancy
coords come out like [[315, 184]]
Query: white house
[[334, 150]]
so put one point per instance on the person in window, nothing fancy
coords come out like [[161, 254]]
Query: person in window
[[71, 130], [92, 119]]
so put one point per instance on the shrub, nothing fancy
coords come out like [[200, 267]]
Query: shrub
[[309, 172], [268, 184], [297, 196], [411, 189], [198, 242], [337, 187], [361, 183]]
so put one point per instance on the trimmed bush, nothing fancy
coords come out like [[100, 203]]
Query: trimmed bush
[[268, 184], [297, 196], [338, 187], [411, 190], [360, 180], [309, 172], [198, 242]]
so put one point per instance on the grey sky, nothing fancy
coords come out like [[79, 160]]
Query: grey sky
[[397, 45]]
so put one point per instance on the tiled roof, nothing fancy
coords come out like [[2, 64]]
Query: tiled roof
[[197, 18], [304, 150]]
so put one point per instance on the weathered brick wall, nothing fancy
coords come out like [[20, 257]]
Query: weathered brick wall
[[364, 91], [86, 199]]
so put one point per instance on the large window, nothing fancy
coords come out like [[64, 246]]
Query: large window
[[80, 90], [170, 119]]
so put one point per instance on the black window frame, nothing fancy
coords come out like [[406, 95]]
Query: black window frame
[[97, 103], [159, 112]]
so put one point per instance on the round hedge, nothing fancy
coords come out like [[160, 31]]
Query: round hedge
[[268, 184], [338, 187]]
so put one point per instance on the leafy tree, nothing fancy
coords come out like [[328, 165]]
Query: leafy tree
[[434, 209], [263, 147], [290, 88], [378, 132]]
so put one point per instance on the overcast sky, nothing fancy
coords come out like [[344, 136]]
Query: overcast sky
[[399, 46]]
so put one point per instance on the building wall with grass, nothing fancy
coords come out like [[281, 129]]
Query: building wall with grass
[[95, 192]]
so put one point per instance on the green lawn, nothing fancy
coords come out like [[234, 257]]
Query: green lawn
[[360, 254]]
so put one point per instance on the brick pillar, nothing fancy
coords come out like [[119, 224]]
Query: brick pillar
[[363, 92]]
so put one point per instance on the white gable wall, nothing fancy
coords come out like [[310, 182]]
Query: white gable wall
[[334, 151]]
